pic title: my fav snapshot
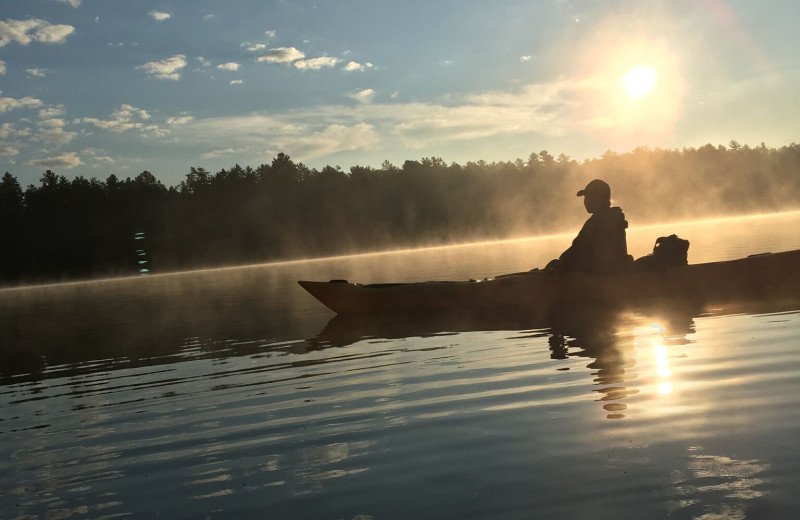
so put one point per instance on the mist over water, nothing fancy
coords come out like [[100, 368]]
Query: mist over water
[[65, 230], [225, 393]]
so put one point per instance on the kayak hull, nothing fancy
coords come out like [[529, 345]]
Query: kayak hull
[[758, 277]]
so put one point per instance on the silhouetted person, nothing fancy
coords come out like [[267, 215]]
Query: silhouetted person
[[601, 246]]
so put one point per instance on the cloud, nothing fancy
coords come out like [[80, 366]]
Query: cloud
[[355, 66], [233, 66], [52, 123], [281, 55], [179, 120], [159, 16], [7, 103], [38, 73], [2, 68], [51, 131], [219, 153], [126, 118], [236, 82], [26, 31], [251, 133], [526, 58], [203, 62], [73, 3], [165, 69], [362, 96], [334, 138], [209, 17], [253, 47], [7, 131], [126, 113], [271, 33], [8, 150], [51, 112], [94, 156], [65, 160], [316, 63], [54, 33], [549, 109]]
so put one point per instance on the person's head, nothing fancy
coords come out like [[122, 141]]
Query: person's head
[[596, 196]]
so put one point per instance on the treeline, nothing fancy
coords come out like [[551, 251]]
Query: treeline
[[65, 229]]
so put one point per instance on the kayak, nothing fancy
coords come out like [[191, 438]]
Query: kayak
[[757, 277]]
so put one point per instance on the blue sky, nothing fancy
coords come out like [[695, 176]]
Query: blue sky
[[94, 87]]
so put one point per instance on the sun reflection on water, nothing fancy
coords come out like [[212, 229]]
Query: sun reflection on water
[[661, 355], [658, 338]]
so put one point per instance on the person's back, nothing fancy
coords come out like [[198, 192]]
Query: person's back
[[601, 245]]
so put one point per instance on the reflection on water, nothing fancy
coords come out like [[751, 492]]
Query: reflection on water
[[231, 394], [713, 486], [490, 418]]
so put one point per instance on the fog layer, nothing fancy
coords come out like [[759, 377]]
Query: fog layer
[[79, 228]]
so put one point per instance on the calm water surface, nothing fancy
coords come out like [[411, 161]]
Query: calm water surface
[[232, 394]]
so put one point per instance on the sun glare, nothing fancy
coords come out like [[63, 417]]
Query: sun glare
[[639, 81]]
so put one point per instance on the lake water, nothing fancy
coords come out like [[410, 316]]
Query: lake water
[[230, 393]]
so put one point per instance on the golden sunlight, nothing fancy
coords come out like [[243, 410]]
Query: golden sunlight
[[639, 81], [629, 84]]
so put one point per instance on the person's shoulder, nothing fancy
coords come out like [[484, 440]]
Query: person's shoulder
[[614, 215]]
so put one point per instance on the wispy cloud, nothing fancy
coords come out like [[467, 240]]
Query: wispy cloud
[[271, 33], [159, 16], [335, 138], [209, 17], [353, 66], [7, 103], [38, 73], [2, 68], [253, 47], [165, 69], [73, 3], [223, 152], [65, 160], [281, 55], [546, 109], [203, 62], [51, 112], [8, 150], [182, 120], [51, 132], [362, 96], [7, 131], [236, 82], [27, 31], [93, 155], [525, 58], [127, 113], [316, 63], [125, 118], [232, 66]]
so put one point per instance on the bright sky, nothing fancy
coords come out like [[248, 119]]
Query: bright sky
[[94, 87]]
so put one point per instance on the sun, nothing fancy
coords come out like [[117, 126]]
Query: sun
[[639, 81]]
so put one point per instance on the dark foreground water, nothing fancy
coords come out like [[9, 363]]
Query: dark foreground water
[[233, 394]]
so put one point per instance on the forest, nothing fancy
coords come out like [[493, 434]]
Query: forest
[[64, 229]]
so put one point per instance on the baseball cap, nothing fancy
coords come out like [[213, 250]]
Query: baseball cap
[[597, 188]]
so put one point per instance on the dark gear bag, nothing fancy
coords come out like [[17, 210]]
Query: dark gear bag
[[668, 252]]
